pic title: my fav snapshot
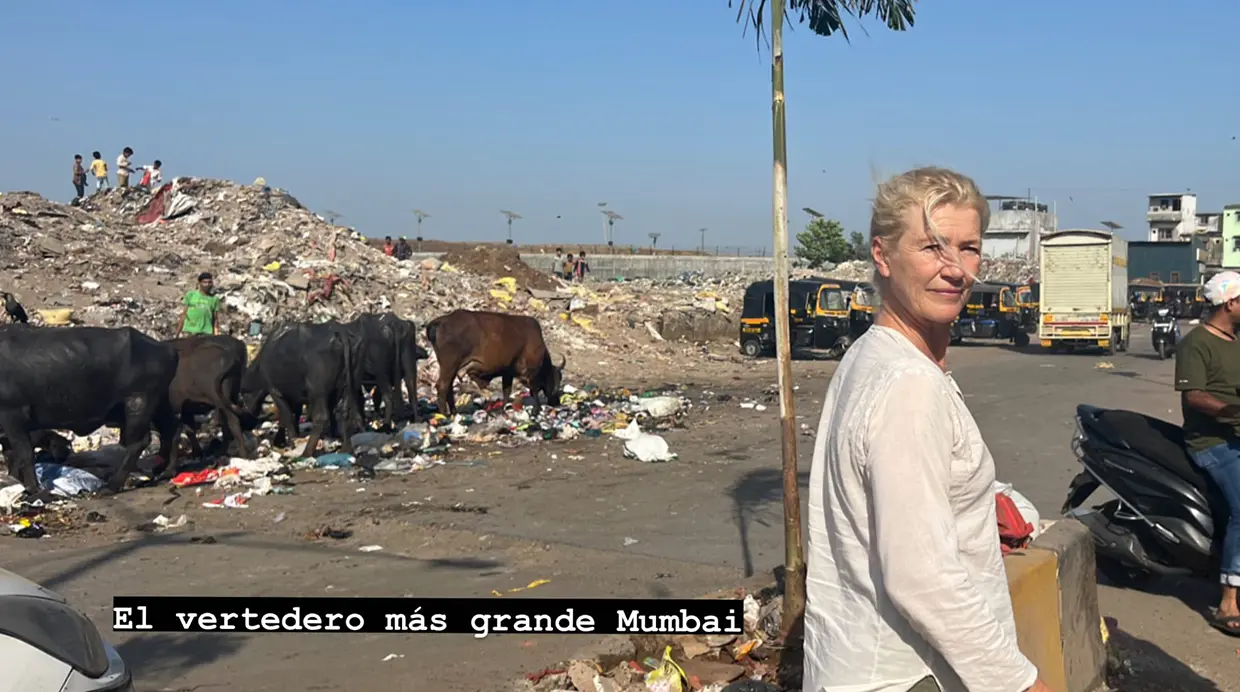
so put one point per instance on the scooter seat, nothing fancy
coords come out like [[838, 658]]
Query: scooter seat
[[1156, 440]]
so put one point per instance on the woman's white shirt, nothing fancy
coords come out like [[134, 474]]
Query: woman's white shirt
[[905, 572]]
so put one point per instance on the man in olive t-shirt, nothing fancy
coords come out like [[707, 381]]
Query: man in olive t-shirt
[[200, 308], [1207, 372]]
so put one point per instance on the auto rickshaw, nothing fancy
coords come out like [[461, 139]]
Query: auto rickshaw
[[1028, 299], [1185, 300], [1145, 296], [820, 315], [862, 308], [758, 315], [990, 313]]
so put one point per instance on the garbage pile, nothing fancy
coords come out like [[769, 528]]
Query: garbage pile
[[128, 256], [81, 466], [1002, 269], [749, 662]]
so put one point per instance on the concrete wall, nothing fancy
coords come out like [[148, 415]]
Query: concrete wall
[[1017, 232], [604, 267]]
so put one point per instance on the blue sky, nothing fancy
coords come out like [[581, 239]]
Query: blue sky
[[661, 109]]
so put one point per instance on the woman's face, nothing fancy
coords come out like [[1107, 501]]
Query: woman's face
[[922, 276]]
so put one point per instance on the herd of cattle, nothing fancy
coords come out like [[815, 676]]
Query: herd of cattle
[[82, 378]]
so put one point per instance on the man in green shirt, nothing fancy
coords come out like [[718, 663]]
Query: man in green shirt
[[1207, 372], [201, 305]]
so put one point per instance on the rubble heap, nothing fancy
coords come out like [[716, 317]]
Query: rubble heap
[[1001, 269], [127, 257]]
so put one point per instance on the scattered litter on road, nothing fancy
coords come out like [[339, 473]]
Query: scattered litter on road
[[370, 548], [392, 657], [630, 541], [67, 481], [532, 585], [233, 501]]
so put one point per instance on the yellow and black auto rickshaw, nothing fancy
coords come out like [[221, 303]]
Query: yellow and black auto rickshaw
[[1029, 300], [1145, 296], [990, 313], [1185, 300], [821, 315]]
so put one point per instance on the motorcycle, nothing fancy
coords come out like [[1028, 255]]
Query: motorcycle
[[1165, 334], [1163, 519]]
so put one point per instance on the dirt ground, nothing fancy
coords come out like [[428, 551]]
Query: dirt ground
[[592, 522]]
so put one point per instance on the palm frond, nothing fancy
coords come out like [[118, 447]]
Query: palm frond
[[826, 17]]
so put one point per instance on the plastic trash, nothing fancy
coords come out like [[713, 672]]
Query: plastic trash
[[335, 460], [648, 448], [370, 439], [1027, 510], [668, 677], [10, 496], [67, 481], [660, 406], [234, 501]]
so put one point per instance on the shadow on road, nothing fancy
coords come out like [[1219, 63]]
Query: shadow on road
[[171, 656], [1136, 665], [246, 540], [752, 498]]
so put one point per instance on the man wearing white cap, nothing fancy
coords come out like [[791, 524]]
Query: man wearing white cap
[[1207, 372]]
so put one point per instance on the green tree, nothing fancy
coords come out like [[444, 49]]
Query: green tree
[[825, 18], [858, 248], [823, 241]]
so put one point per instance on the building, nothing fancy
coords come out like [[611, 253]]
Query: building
[[1231, 237], [1017, 225], [1168, 261], [1172, 216], [1210, 227]]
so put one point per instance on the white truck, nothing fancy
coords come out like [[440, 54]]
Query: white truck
[[1084, 291]]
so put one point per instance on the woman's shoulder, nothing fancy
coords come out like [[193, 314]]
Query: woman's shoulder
[[881, 363]]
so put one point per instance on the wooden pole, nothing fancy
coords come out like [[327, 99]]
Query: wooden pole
[[794, 563]]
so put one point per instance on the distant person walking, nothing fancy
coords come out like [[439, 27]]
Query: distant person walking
[[201, 306], [99, 168], [79, 177], [403, 251], [581, 268], [123, 168], [152, 176], [388, 248]]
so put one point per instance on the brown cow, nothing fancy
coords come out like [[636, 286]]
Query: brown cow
[[486, 345]]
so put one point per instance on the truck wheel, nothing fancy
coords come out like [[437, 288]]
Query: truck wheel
[[751, 348]]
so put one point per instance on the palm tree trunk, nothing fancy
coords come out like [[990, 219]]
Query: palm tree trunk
[[794, 564]]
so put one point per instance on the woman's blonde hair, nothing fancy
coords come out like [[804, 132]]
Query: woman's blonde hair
[[929, 188]]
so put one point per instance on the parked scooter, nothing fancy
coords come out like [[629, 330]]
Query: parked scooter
[[1163, 519], [1166, 333]]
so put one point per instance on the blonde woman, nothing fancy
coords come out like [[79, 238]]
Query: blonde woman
[[906, 585]]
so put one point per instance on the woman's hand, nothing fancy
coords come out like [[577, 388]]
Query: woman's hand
[[1039, 686]]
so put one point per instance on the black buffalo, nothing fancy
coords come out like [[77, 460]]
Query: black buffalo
[[410, 353], [486, 345], [209, 373], [380, 366], [80, 379], [308, 364]]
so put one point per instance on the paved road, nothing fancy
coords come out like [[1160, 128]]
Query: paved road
[[593, 523]]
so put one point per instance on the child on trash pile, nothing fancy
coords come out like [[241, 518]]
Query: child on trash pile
[[99, 168], [123, 168], [152, 176], [79, 177]]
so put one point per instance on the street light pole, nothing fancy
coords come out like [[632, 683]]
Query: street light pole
[[421, 215], [511, 216], [611, 217], [702, 247]]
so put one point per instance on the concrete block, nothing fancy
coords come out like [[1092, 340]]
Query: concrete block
[[1033, 582], [1084, 650], [1055, 598]]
